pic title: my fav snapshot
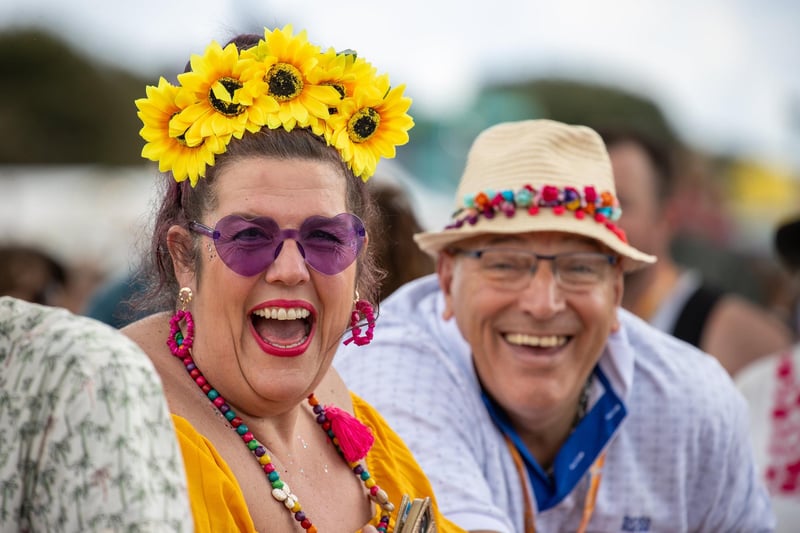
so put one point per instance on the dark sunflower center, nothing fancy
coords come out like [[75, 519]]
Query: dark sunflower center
[[339, 89], [182, 137], [342, 92], [229, 109], [284, 81], [363, 124]]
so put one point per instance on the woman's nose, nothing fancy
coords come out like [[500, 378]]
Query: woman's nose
[[289, 266]]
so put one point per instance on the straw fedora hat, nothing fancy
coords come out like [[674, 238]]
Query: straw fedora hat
[[537, 175]]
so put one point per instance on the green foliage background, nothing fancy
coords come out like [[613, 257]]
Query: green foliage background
[[58, 107]]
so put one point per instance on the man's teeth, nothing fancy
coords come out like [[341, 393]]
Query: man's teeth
[[282, 313], [541, 342]]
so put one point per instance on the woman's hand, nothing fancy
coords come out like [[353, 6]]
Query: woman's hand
[[369, 529]]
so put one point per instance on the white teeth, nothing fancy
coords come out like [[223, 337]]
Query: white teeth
[[288, 346], [541, 342], [281, 313]]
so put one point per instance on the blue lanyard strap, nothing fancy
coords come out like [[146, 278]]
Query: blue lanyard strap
[[576, 455]]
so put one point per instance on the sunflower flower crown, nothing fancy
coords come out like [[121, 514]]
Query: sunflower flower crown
[[282, 82]]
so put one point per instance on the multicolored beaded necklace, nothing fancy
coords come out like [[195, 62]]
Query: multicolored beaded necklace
[[181, 345]]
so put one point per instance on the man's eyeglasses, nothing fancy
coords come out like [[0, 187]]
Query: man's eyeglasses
[[512, 269], [249, 246]]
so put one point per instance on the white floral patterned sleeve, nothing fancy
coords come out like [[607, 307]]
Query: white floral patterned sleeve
[[86, 441]]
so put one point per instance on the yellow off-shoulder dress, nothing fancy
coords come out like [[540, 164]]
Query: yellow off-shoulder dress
[[218, 505]]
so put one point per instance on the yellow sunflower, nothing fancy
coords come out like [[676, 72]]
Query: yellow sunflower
[[216, 96], [345, 72], [172, 153], [287, 63], [370, 124]]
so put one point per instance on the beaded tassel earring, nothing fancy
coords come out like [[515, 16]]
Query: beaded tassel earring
[[361, 307], [179, 344]]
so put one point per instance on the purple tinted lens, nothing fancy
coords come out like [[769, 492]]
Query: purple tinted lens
[[249, 246], [331, 244]]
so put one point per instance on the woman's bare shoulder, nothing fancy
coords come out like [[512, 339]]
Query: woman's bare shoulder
[[150, 332]]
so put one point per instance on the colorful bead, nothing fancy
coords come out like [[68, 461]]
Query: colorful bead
[[179, 343], [362, 307], [523, 198]]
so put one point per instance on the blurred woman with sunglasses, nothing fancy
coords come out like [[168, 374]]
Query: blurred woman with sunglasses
[[261, 267]]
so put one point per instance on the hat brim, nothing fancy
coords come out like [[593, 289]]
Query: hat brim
[[434, 242]]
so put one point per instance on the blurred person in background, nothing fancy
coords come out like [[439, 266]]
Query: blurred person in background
[[673, 298], [87, 443], [772, 388], [111, 303], [396, 252], [31, 274]]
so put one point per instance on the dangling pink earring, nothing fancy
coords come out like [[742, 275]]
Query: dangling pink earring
[[179, 344], [362, 307]]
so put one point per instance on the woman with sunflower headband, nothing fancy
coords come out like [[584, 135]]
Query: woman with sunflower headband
[[260, 265]]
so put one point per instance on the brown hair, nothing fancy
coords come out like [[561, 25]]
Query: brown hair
[[396, 252], [659, 153]]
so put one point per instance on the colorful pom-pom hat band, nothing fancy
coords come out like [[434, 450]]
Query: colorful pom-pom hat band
[[537, 175]]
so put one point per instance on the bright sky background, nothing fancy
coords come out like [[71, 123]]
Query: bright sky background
[[726, 72]]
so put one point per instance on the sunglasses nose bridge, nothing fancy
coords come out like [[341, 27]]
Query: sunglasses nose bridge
[[289, 234], [279, 248]]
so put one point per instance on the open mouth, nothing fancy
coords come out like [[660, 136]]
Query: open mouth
[[537, 341], [282, 330]]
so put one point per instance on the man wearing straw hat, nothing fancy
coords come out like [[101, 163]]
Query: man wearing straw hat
[[531, 399]]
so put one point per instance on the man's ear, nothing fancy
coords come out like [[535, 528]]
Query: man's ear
[[181, 249], [445, 263], [618, 289]]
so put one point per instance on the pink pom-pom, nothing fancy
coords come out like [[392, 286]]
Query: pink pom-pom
[[355, 439]]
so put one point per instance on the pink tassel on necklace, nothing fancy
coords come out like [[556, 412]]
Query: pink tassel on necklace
[[355, 439]]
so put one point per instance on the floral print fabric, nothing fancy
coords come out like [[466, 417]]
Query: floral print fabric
[[86, 440]]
